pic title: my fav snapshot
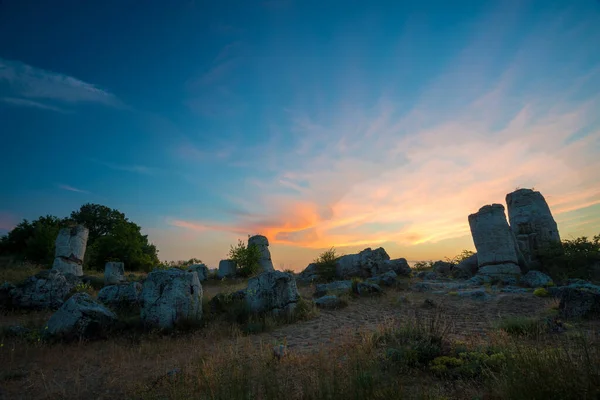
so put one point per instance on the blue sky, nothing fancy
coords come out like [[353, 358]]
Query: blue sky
[[338, 123]]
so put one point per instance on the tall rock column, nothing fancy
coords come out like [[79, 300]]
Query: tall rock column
[[531, 222], [497, 252], [266, 264], [70, 250]]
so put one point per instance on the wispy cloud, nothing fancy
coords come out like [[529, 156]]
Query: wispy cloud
[[28, 82], [138, 169], [35, 104], [373, 172], [72, 189]]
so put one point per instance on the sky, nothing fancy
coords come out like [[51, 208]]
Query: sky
[[316, 123]]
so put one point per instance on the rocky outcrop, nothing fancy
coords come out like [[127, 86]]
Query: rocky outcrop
[[577, 302], [226, 269], [81, 317], [399, 266], [114, 273], [497, 252], [70, 250], [273, 291], [201, 270], [367, 288], [260, 241], [466, 268], [47, 289], [171, 297], [329, 302], [310, 274], [121, 296], [531, 222], [387, 279], [337, 288], [365, 264], [535, 279], [443, 267]]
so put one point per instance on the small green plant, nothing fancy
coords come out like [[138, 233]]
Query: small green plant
[[423, 266], [541, 292], [326, 265], [521, 326], [460, 257], [246, 258], [355, 282], [83, 287]]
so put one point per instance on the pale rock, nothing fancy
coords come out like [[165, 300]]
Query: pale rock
[[114, 273], [364, 264], [70, 250], [536, 279], [171, 297], [273, 291], [226, 269], [387, 279], [337, 288], [201, 270], [266, 264], [328, 302], [47, 289], [466, 268], [121, 296], [66, 266]]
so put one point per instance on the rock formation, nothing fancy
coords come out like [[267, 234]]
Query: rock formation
[[114, 273], [70, 250], [226, 269], [47, 289], [365, 264], [170, 297], [273, 291], [201, 270], [266, 264], [531, 222], [121, 296], [497, 252], [81, 317]]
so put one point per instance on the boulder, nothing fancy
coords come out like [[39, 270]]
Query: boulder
[[309, 274], [266, 264], [337, 288], [366, 288], [47, 289], [493, 238], [387, 279], [226, 269], [508, 273], [70, 248], [329, 302], [114, 273], [443, 267], [577, 303], [81, 317], [201, 270], [365, 264], [221, 301], [121, 296], [531, 222], [466, 268], [426, 275], [476, 294], [536, 279], [273, 291], [171, 297], [399, 266]]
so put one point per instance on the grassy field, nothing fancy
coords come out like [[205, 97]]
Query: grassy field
[[400, 345]]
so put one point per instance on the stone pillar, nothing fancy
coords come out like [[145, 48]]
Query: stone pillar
[[70, 250], [265, 255], [114, 273], [531, 222], [226, 269]]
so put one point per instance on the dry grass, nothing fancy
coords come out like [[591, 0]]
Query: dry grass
[[15, 271]]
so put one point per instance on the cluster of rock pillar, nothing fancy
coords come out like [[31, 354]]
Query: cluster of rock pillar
[[227, 267], [503, 248], [71, 243]]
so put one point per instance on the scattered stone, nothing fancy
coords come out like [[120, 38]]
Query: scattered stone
[[201, 270], [70, 250], [365, 264], [273, 291], [443, 267], [531, 222], [47, 289], [337, 288], [266, 264], [171, 297], [114, 273], [121, 296], [226, 269], [387, 279], [476, 294], [578, 303], [536, 279], [81, 317], [329, 301], [366, 288]]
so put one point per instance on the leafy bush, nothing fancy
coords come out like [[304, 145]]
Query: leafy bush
[[423, 266], [577, 258], [326, 265], [246, 258], [461, 257], [541, 292]]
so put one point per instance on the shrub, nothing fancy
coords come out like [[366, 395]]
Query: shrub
[[423, 266], [460, 257], [246, 258], [577, 258], [326, 265], [541, 292], [521, 326]]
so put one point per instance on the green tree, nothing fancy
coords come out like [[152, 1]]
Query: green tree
[[246, 258], [100, 220], [326, 265]]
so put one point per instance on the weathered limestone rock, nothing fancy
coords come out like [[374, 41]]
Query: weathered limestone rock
[[507, 273], [387, 279], [273, 291], [365, 264], [366, 288], [70, 250], [337, 288], [226, 269], [399, 266], [81, 317], [466, 268], [201, 270], [170, 297], [114, 273], [309, 274], [47, 289], [442, 267], [329, 302], [492, 236], [577, 302], [121, 296], [265, 255], [531, 222], [536, 279]]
